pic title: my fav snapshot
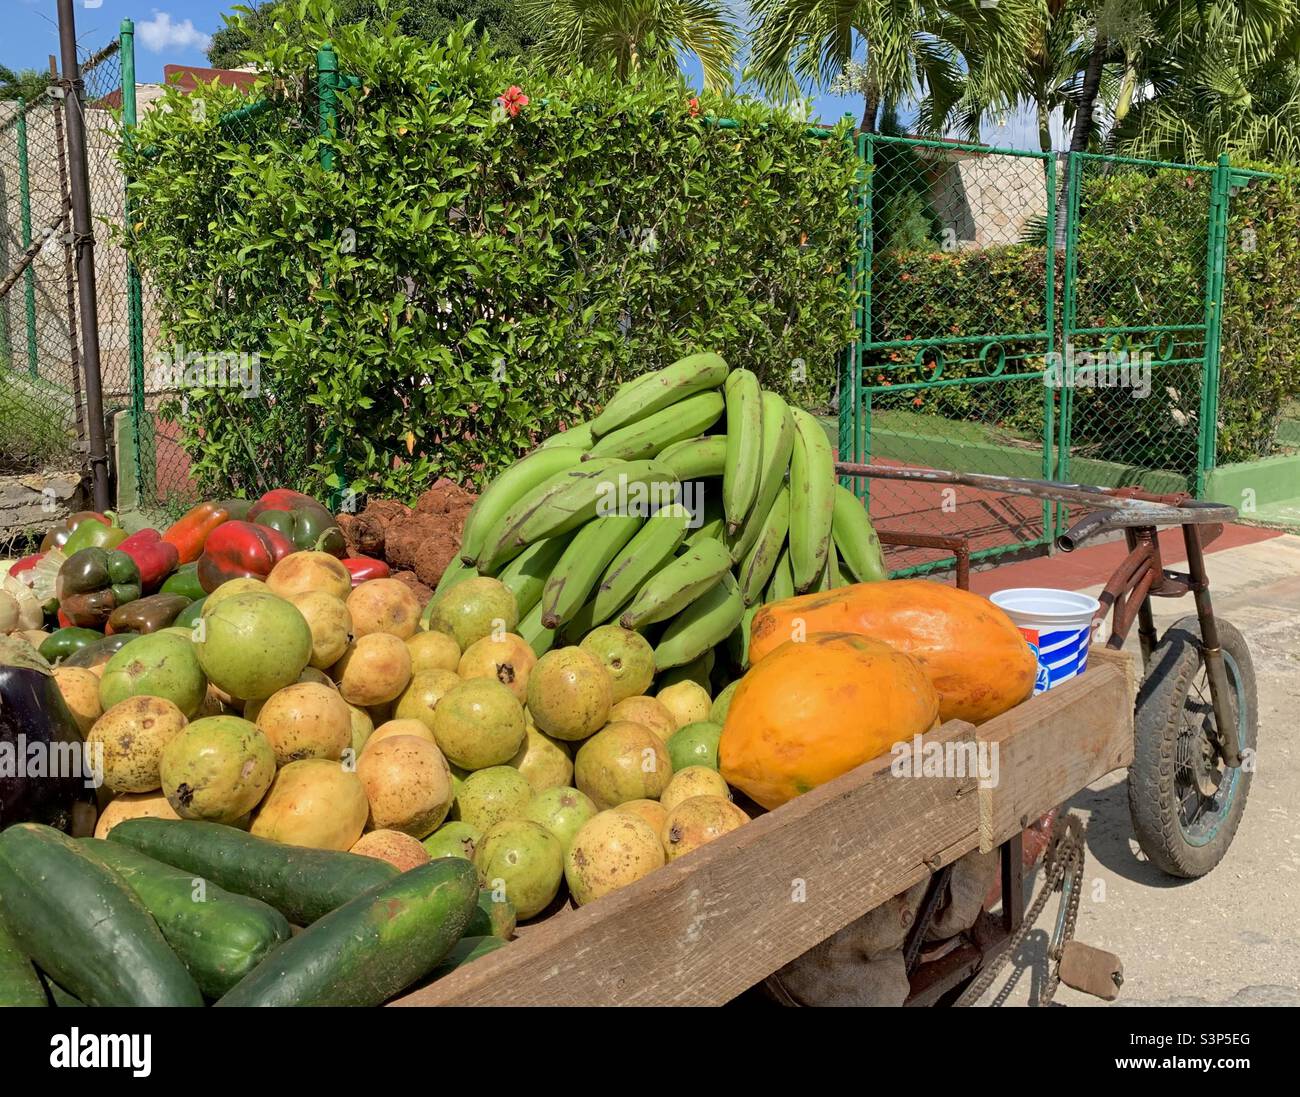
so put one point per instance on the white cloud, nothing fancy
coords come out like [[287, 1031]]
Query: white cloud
[[161, 33]]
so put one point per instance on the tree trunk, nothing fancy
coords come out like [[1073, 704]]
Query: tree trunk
[[1083, 110], [1044, 127], [870, 111]]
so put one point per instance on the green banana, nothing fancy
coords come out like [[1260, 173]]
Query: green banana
[[646, 437], [599, 487], [535, 634], [812, 500], [738, 639], [781, 585], [708, 513], [527, 573], [643, 396], [757, 567], [506, 490], [743, 467], [778, 442], [697, 670], [678, 584], [708, 620], [456, 571], [652, 547], [589, 553], [693, 458], [578, 436], [856, 539]]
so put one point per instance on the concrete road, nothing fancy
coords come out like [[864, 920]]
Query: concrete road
[[1232, 937]]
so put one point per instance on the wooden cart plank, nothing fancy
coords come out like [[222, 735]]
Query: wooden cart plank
[[1052, 747], [708, 926], [714, 923]]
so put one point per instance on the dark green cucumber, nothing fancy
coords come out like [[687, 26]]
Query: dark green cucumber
[[371, 948], [302, 884], [490, 918], [57, 996], [19, 983], [465, 951], [219, 936], [83, 926]]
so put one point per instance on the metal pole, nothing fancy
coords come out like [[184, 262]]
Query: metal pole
[[83, 239], [1216, 252], [69, 264], [25, 215], [145, 469]]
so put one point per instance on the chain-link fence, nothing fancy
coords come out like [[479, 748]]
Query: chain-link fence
[[1033, 317], [41, 415]]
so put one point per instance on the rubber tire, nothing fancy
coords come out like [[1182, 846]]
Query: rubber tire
[[1152, 802]]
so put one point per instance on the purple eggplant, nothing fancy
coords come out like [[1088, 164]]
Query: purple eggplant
[[42, 778]]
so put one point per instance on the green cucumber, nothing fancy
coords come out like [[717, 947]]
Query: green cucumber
[[19, 983], [219, 936], [302, 884], [83, 926], [467, 950], [59, 997], [371, 948], [491, 918]]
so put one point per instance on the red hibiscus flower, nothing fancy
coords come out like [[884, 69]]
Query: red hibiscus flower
[[693, 106], [513, 100]]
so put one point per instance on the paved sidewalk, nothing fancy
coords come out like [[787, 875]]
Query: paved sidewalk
[[1232, 937]]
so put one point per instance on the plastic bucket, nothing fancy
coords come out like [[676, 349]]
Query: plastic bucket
[[1057, 626]]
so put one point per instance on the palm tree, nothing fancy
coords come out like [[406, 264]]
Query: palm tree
[[950, 58], [1227, 80], [636, 34]]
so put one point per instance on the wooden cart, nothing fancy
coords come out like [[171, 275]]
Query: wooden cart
[[707, 927]]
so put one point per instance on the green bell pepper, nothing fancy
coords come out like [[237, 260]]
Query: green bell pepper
[[184, 580], [308, 527], [93, 533], [67, 641], [93, 582]]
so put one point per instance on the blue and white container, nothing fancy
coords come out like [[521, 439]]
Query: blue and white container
[[1057, 626]]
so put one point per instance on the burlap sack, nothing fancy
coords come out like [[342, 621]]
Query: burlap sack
[[862, 964]]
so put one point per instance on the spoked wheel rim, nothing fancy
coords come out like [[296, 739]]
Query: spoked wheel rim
[[1203, 785]]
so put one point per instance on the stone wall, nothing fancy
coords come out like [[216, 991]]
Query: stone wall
[[988, 199]]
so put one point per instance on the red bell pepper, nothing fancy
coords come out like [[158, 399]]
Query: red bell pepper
[[25, 564], [240, 550], [283, 499], [365, 567], [155, 557], [191, 532]]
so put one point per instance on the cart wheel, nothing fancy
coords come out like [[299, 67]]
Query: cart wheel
[[1185, 804]]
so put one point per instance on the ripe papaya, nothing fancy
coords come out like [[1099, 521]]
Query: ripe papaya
[[971, 651]]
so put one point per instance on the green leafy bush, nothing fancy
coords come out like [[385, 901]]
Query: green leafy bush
[[466, 280]]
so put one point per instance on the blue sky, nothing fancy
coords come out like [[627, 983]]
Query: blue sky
[[177, 32]]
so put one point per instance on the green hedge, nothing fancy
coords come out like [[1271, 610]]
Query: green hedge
[[507, 271], [1141, 258]]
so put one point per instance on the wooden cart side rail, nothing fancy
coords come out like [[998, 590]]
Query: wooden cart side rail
[[1036, 760], [706, 927]]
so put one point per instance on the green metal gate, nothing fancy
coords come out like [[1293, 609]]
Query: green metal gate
[[1014, 326]]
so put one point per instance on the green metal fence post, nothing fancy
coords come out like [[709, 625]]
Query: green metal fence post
[[848, 389], [327, 82], [1049, 316], [866, 262], [1215, 261], [145, 465], [327, 72], [25, 213]]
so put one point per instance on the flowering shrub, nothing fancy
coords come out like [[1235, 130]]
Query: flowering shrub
[[477, 267]]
